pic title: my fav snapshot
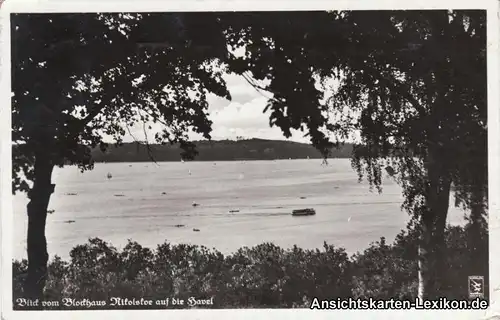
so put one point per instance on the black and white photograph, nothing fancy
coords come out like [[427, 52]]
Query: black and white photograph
[[333, 159]]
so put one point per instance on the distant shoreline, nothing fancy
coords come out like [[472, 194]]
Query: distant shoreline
[[236, 160], [222, 150]]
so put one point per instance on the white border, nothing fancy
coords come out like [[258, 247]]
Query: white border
[[493, 39], [236, 5], [256, 5]]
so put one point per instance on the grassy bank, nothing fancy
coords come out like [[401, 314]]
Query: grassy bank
[[265, 276]]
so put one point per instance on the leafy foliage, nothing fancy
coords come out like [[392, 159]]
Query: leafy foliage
[[287, 50], [419, 95], [77, 77], [402, 78], [262, 276]]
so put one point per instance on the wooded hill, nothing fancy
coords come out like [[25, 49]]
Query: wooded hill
[[223, 150]]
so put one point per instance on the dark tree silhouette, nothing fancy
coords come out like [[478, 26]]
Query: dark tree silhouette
[[76, 77], [415, 85], [422, 98]]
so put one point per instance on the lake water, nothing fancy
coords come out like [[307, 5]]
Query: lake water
[[144, 202]]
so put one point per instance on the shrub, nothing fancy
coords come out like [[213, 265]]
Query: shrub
[[265, 276], [391, 271]]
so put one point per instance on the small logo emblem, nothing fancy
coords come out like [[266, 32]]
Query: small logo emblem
[[476, 287]]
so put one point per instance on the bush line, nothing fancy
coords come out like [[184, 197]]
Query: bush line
[[264, 276]]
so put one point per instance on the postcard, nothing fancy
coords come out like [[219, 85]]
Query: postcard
[[207, 159]]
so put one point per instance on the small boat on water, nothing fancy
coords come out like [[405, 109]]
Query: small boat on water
[[304, 212], [390, 170], [109, 175]]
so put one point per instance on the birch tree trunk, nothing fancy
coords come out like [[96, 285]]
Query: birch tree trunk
[[476, 228], [440, 210], [431, 266], [424, 249]]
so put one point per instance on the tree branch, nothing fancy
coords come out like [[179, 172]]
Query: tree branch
[[148, 146], [403, 90]]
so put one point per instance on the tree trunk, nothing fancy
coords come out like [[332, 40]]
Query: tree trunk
[[440, 210], [477, 225], [432, 225], [424, 249], [39, 196]]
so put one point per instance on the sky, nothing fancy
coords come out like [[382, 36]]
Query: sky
[[241, 117]]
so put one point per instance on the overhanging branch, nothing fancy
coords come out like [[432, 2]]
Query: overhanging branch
[[403, 90]]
